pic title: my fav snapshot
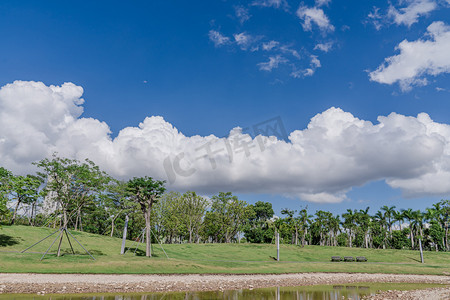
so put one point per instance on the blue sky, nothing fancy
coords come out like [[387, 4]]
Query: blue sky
[[207, 67]]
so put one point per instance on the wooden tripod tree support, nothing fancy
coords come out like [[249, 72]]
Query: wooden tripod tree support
[[62, 231]]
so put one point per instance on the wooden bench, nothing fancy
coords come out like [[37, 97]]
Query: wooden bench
[[336, 258], [349, 258], [361, 258]]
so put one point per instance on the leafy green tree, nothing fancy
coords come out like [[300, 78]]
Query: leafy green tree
[[25, 190], [400, 239], [193, 208], [87, 182], [5, 187], [291, 224], [258, 226], [435, 234], [444, 217], [168, 215], [145, 191], [58, 173], [72, 184], [227, 215], [116, 202], [380, 219]]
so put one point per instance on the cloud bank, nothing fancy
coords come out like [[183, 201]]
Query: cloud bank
[[417, 59], [320, 163]]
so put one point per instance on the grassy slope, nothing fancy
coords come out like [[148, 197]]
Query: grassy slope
[[203, 258]]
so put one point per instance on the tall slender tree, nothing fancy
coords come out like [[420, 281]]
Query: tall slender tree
[[389, 217], [146, 191], [409, 215], [349, 224]]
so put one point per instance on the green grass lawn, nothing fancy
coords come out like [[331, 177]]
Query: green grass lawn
[[200, 258]]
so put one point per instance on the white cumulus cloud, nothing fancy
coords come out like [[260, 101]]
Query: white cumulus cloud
[[427, 56], [314, 15], [320, 163], [410, 14]]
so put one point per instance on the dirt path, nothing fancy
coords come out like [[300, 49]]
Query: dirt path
[[101, 283]]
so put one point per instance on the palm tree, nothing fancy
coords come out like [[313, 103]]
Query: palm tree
[[304, 219], [349, 224], [408, 214], [363, 220], [417, 221], [389, 214], [398, 217], [381, 219]]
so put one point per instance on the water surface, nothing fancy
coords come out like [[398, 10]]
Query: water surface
[[354, 291]]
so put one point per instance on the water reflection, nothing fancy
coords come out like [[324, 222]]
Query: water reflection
[[298, 293]]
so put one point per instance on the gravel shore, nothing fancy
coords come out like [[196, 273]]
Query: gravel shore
[[429, 294], [104, 283]]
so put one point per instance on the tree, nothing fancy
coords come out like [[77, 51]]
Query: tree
[[116, 202], [58, 172], [363, 220], [168, 215], [145, 191], [398, 217], [380, 219], [5, 186], [70, 184], [349, 224], [193, 208], [25, 189], [226, 217], [389, 216], [304, 219], [258, 227], [409, 215], [87, 182], [291, 223]]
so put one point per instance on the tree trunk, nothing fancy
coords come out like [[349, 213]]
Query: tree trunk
[[112, 227], [31, 214], [15, 212], [148, 249], [65, 219], [76, 223], [412, 239], [59, 245], [446, 239]]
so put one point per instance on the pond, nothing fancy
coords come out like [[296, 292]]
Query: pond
[[318, 292]]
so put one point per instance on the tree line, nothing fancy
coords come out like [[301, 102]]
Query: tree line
[[78, 195]]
